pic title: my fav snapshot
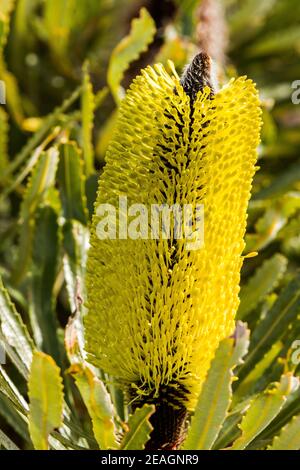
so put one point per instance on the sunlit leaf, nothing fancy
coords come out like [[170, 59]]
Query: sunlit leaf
[[139, 429], [15, 332], [262, 283], [46, 399]]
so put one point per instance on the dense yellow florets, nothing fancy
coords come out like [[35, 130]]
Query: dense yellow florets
[[155, 318]]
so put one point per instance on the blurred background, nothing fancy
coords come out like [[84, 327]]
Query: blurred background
[[66, 65]]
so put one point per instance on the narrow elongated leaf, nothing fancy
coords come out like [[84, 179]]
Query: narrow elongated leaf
[[13, 97], [72, 182], [290, 409], [284, 311], [289, 437], [88, 106], [99, 405], [75, 243], [216, 393], [263, 409], [74, 340], [6, 442], [6, 8], [275, 43], [44, 269], [42, 178], [58, 18], [129, 49], [262, 283], [8, 388], [240, 26], [14, 331], [139, 429], [32, 143], [287, 181], [248, 384], [29, 166], [46, 399]]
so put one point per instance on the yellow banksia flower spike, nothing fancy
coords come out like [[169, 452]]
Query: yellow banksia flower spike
[[157, 310]]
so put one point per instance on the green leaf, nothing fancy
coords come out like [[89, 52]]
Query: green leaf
[[6, 442], [45, 392], [72, 182], [129, 49], [247, 386], [8, 388], [275, 43], [11, 416], [41, 134], [3, 139], [6, 9], [263, 409], [230, 430], [74, 340], [88, 106], [14, 332], [42, 178], [29, 166], [13, 97], [106, 134], [289, 437], [99, 405], [271, 329], [261, 284], [290, 409], [216, 393], [44, 269], [75, 242], [139, 429]]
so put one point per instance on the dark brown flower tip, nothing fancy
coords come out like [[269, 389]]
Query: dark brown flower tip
[[198, 75]]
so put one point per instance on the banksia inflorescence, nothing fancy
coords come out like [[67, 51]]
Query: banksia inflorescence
[[156, 310]]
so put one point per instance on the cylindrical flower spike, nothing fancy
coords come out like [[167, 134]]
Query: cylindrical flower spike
[[156, 309]]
